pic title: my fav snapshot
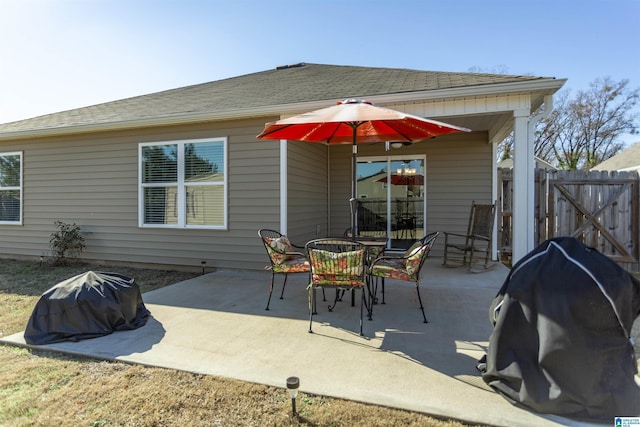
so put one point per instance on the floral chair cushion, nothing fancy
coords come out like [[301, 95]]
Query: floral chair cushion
[[278, 249], [401, 268], [412, 249], [293, 264], [337, 269], [412, 263], [392, 268]]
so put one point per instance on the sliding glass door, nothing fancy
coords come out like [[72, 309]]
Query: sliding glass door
[[391, 196]]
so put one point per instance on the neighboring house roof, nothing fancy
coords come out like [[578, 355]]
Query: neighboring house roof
[[540, 164], [627, 160], [260, 93]]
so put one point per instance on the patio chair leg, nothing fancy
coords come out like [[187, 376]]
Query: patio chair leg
[[421, 306], [315, 302], [335, 302], [270, 291], [283, 285], [312, 303], [371, 288], [383, 291], [361, 303]]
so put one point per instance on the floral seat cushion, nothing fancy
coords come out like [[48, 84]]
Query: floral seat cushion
[[401, 268], [294, 264], [337, 269]]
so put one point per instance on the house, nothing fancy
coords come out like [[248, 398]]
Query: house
[[178, 177], [626, 160]]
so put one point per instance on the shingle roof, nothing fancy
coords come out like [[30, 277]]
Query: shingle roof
[[283, 85], [627, 159]]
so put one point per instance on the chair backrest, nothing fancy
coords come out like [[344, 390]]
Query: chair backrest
[[426, 243], [430, 239], [272, 234], [276, 245], [336, 262], [481, 220]]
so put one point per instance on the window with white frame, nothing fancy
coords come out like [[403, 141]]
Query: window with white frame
[[11, 188], [183, 184]]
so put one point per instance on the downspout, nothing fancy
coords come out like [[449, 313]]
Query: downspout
[[541, 115]]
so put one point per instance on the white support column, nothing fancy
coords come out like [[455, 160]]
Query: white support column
[[284, 213], [494, 198], [523, 197]]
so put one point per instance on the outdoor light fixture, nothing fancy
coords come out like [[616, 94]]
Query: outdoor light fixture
[[293, 383], [204, 265], [399, 144], [406, 171]]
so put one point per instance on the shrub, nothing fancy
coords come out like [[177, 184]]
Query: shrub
[[65, 243]]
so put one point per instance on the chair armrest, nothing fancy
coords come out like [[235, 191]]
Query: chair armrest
[[290, 253], [392, 253], [383, 257], [456, 235]]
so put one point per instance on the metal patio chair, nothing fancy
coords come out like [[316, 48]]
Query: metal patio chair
[[284, 257], [402, 266], [461, 249], [338, 264]]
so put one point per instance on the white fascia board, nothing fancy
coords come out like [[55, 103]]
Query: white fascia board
[[542, 85]]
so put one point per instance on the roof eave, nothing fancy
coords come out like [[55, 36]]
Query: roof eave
[[547, 85]]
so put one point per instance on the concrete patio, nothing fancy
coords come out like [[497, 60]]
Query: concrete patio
[[216, 324]]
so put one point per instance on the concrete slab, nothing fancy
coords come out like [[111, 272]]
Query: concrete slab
[[216, 324]]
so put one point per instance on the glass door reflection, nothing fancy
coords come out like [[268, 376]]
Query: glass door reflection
[[391, 196]]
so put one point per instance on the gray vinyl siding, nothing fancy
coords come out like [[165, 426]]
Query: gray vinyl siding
[[340, 186], [457, 174], [92, 180], [307, 191], [459, 170]]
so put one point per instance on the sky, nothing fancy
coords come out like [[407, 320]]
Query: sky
[[57, 55]]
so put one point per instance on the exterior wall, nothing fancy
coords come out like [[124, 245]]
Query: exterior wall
[[92, 180], [459, 170], [307, 191]]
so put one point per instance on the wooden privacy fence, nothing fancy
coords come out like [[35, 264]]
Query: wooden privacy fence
[[599, 208]]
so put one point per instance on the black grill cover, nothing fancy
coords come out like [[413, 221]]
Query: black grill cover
[[86, 306], [561, 339]]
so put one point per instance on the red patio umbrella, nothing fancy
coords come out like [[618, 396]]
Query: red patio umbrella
[[410, 179], [355, 121]]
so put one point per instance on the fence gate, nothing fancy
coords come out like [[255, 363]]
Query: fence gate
[[505, 209], [599, 208]]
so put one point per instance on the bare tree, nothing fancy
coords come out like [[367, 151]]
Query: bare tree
[[581, 132], [603, 113]]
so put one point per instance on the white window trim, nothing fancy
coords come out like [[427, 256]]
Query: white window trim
[[388, 159], [19, 188], [182, 224]]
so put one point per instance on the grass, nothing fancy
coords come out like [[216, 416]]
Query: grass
[[46, 389]]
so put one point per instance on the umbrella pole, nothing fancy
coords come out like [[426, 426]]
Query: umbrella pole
[[354, 184]]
